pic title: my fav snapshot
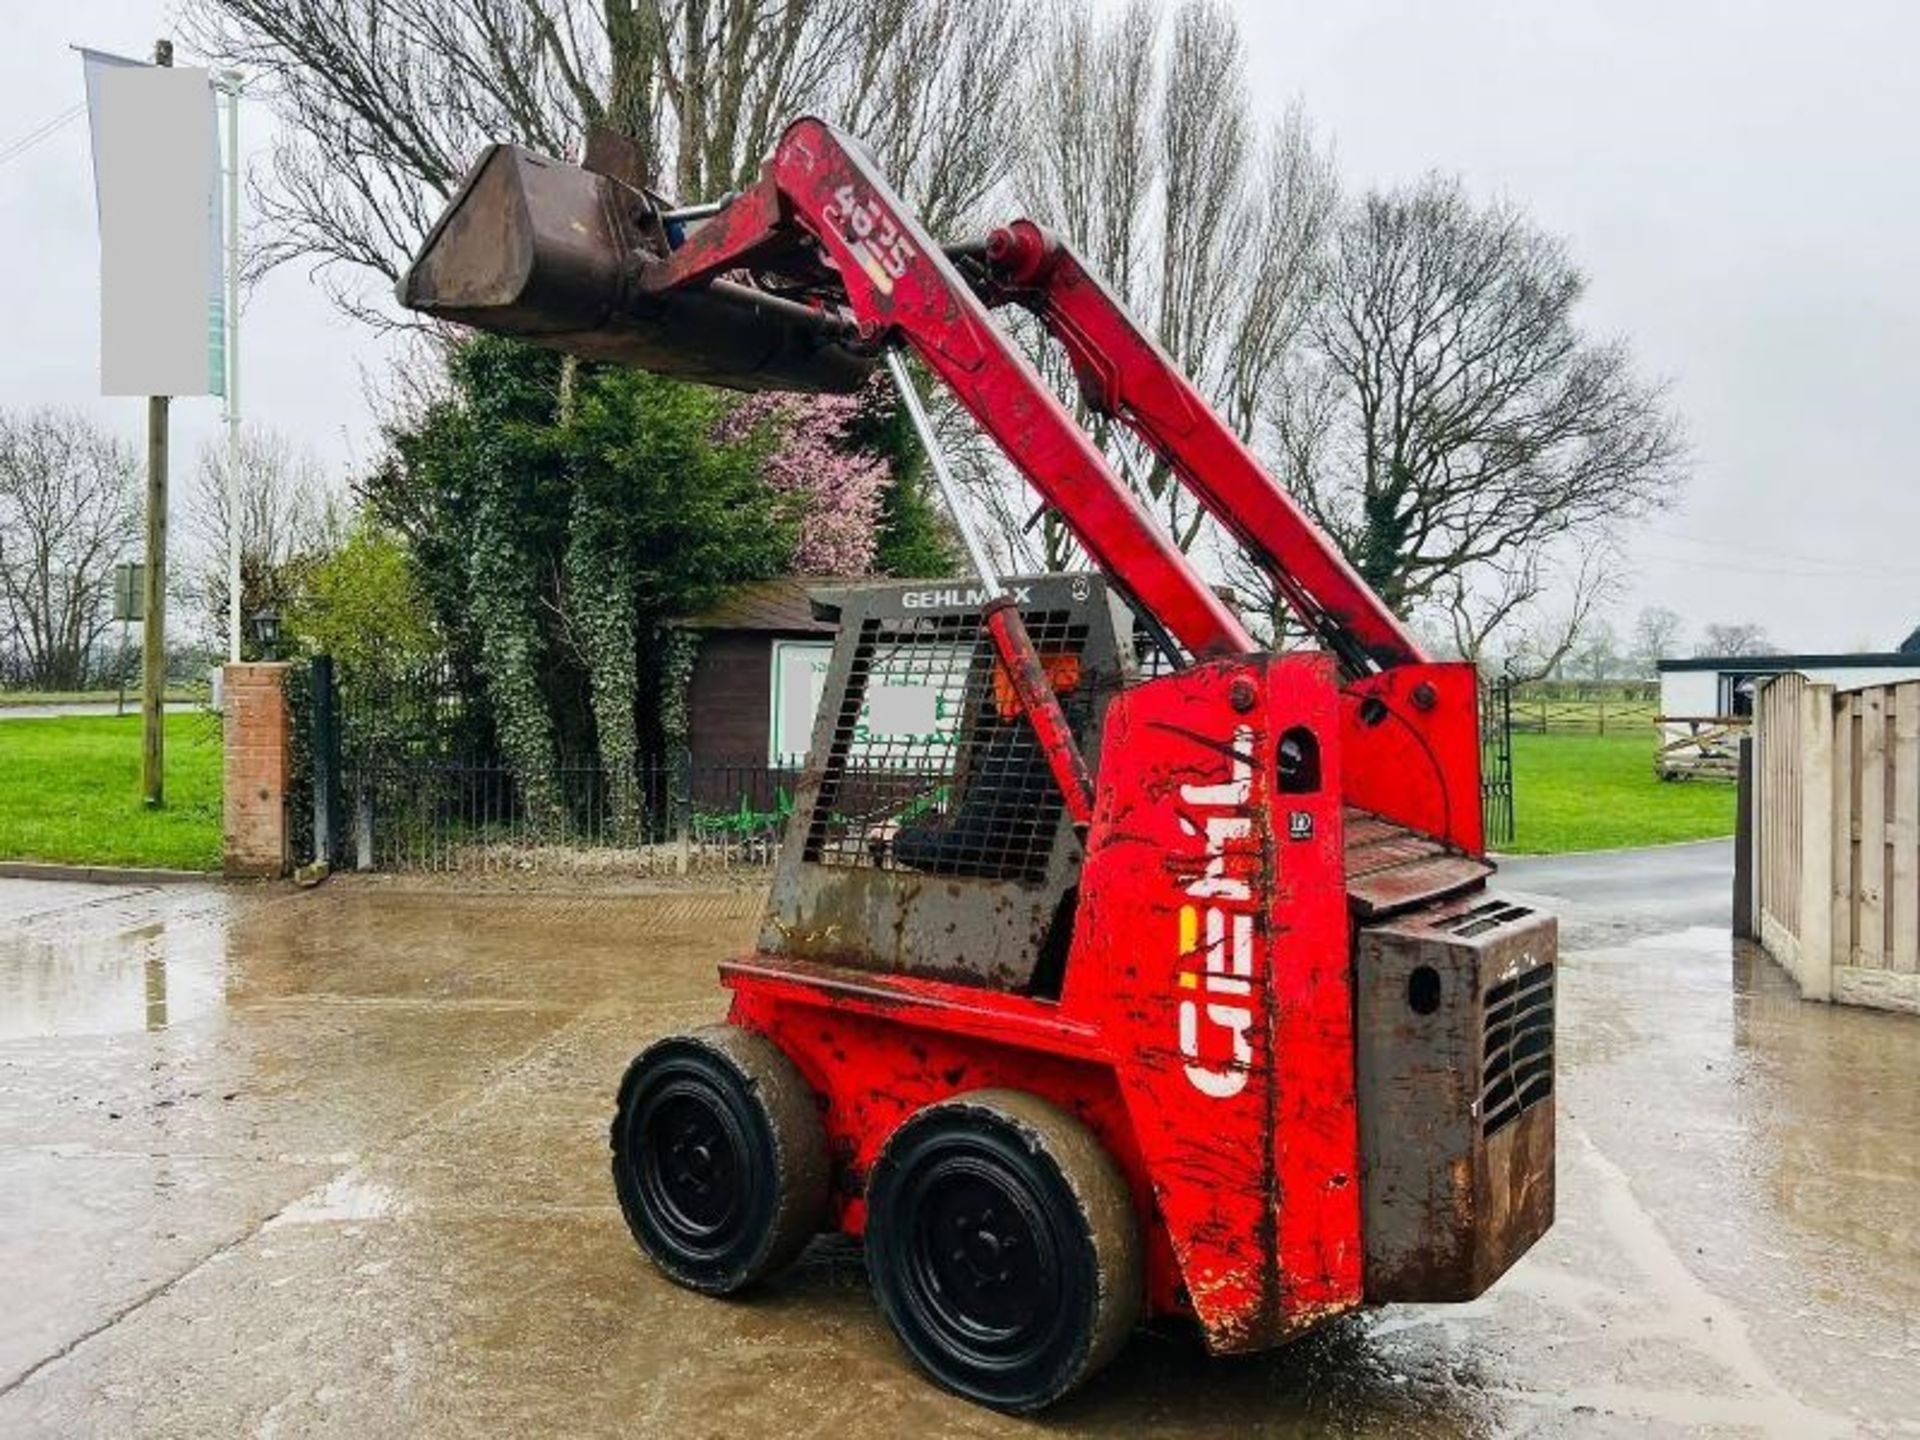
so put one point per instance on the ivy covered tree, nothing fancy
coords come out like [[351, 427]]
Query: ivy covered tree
[[670, 506], [560, 515]]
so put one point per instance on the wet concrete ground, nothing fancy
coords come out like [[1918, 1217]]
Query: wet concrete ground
[[334, 1163]]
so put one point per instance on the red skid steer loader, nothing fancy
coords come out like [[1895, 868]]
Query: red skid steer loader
[[1113, 967]]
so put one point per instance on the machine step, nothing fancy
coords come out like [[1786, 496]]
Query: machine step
[[1391, 868]]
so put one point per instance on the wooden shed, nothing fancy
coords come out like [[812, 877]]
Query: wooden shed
[[755, 686]]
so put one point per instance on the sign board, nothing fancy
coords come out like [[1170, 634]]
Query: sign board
[[799, 679], [914, 697], [129, 592], [156, 177]]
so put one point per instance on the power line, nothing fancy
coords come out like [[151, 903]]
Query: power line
[[14, 149], [1860, 574], [1764, 561]]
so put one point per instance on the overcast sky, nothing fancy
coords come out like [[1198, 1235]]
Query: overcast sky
[[1739, 180]]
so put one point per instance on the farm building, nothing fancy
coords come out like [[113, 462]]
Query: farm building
[[1722, 686], [1706, 703]]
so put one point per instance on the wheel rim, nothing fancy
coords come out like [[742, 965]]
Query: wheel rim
[[694, 1165], [983, 1264]]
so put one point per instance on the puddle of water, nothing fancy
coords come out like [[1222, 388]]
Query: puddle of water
[[1695, 939], [343, 1199], [62, 977]]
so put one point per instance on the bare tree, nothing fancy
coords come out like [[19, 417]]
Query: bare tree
[[287, 513], [69, 510], [1745, 638], [1656, 636], [384, 103], [1526, 614], [1597, 656], [1147, 157], [1530, 607], [1449, 424]]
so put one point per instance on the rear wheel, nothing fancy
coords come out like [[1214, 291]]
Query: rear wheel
[[1003, 1248], [719, 1158]]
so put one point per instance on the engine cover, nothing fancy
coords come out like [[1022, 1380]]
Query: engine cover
[[1455, 1073]]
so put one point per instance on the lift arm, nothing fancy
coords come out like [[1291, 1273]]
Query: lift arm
[[818, 188], [1123, 374]]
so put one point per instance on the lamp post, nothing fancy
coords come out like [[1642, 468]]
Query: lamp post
[[266, 631]]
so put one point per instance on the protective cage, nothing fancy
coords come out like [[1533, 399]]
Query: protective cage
[[923, 768]]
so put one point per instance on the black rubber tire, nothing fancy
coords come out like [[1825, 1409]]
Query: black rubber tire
[[719, 1158], [1003, 1247]]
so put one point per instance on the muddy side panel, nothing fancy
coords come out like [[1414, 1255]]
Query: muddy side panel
[[1211, 954], [1455, 1010]]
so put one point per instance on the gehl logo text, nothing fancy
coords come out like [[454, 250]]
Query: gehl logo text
[[1216, 939]]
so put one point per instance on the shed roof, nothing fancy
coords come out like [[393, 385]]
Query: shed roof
[[1780, 664], [779, 606]]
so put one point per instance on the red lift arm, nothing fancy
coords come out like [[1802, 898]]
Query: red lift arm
[[816, 186], [1125, 375]]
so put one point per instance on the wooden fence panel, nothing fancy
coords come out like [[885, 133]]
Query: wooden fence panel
[[1846, 845], [1869, 898], [1903, 875], [1837, 838], [1779, 774]]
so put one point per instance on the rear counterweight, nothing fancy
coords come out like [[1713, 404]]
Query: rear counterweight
[[1455, 1009]]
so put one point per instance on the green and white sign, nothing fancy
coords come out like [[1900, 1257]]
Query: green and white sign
[[913, 706]]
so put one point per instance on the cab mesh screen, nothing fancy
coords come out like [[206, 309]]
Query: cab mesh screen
[[932, 767]]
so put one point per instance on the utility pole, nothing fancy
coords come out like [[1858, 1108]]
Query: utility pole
[[153, 659], [232, 369]]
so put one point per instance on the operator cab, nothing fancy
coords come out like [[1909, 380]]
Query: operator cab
[[927, 803]]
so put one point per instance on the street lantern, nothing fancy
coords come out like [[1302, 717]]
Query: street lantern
[[266, 630]]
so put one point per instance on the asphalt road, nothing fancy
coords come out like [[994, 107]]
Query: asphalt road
[[1684, 884], [87, 707]]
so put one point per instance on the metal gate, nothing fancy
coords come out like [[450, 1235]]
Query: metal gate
[[407, 774], [1496, 760]]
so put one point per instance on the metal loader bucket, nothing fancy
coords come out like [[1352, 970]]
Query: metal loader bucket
[[548, 251]]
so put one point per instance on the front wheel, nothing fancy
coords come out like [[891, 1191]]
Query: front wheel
[[1003, 1248], [719, 1158]]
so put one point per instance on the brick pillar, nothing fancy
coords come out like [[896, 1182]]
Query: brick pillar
[[256, 839]]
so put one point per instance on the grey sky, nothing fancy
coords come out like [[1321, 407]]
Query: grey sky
[[1739, 180]]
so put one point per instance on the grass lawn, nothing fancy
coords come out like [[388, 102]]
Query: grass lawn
[[70, 792], [1599, 792]]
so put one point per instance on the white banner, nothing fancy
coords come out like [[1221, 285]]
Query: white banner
[[156, 174]]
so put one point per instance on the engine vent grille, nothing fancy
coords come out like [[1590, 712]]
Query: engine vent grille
[[1482, 918], [1517, 1060]]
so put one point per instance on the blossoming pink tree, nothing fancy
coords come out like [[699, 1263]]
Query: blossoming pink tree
[[837, 487]]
